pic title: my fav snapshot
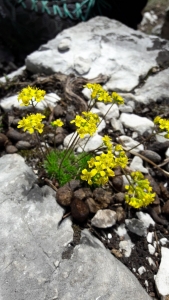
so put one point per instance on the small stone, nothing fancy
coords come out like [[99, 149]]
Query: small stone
[[120, 214], [64, 195], [129, 143], [15, 135], [159, 147], [151, 155], [58, 139], [157, 209], [10, 149], [136, 123], [150, 236], [126, 246], [79, 210], [109, 111], [64, 45], [93, 206], [117, 183], [151, 249], [151, 262], [79, 194], [137, 165], [3, 140], [74, 184], [116, 253], [136, 226], [102, 197], [141, 270], [23, 145], [165, 209], [164, 241], [162, 277], [104, 218], [145, 218], [58, 111], [119, 197]]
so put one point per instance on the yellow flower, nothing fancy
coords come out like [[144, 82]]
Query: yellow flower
[[117, 98], [87, 175], [139, 192], [30, 95], [32, 123], [57, 123]]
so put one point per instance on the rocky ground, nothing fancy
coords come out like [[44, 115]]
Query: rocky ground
[[139, 248]]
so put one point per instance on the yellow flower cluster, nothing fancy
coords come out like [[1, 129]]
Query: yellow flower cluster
[[101, 169], [32, 123], [100, 166], [139, 192], [86, 124], [163, 125], [30, 95], [57, 123], [99, 94]]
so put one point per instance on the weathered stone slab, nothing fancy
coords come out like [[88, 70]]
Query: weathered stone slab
[[99, 46]]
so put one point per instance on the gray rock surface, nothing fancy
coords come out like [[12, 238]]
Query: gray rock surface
[[35, 260], [95, 49]]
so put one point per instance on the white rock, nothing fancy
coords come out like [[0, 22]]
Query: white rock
[[50, 100], [126, 247], [151, 262], [160, 138], [141, 270], [155, 87], [121, 230], [136, 226], [104, 218], [125, 181], [137, 165], [145, 218], [69, 139], [109, 111], [116, 124], [151, 249], [150, 237], [134, 135], [90, 144], [64, 44], [167, 153], [136, 123], [101, 126], [162, 277], [164, 241], [109, 236], [13, 74], [129, 143], [87, 93], [125, 108]]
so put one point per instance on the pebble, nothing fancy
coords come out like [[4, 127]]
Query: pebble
[[64, 195], [136, 123], [151, 262], [162, 277], [151, 155], [126, 246], [93, 143], [151, 249], [145, 218], [129, 143], [104, 218], [164, 241], [150, 237], [23, 145], [141, 270], [116, 125], [136, 226], [125, 108], [79, 210], [137, 165], [109, 111]]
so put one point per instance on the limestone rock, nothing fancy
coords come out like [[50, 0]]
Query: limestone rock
[[104, 218]]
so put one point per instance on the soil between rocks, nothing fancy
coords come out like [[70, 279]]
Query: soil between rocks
[[140, 251]]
